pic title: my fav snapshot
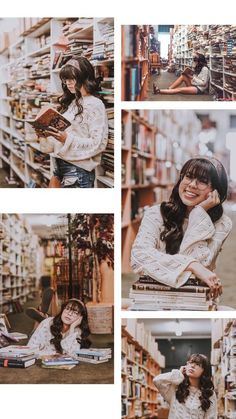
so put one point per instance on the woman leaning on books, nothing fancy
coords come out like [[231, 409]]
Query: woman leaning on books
[[77, 150], [184, 236]]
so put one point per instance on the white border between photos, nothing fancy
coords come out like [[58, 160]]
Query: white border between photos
[[100, 401]]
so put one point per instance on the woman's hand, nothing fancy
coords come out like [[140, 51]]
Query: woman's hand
[[183, 369], [208, 277], [58, 135], [75, 324], [212, 200]]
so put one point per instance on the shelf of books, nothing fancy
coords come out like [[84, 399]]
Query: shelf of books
[[140, 363], [151, 159], [218, 44], [18, 262], [135, 66], [31, 55], [223, 360]]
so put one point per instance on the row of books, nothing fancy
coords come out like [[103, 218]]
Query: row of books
[[148, 294], [18, 356]]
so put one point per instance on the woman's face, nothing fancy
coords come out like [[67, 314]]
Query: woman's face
[[192, 191], [70, 84], [70, 315], [193, 370]]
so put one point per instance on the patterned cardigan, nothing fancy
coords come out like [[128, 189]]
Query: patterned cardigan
[[202, 242], [42, 336], [191, 409], [86, 137]]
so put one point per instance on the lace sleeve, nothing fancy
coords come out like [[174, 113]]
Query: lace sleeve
[[81, 148], [146, 256], [167, 383], [70, 343], [39, 338], [203, 240], [202, 78], [211, 413]]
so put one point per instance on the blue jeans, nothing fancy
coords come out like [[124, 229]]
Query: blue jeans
[[72, 176]]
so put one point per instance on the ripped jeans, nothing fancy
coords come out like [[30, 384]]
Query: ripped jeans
[[72, 176]]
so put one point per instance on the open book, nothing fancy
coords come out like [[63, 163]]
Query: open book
[[49, 117], [188, 71]]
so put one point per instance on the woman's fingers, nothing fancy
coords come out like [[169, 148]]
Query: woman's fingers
[[215, 286]]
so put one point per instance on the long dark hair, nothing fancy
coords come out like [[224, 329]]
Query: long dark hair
[[201, 62], [57, 325], [205, 383], [174, 211], [83, 73]]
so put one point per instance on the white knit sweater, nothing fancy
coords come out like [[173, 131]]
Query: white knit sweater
[[191, 408], [86, 137], [202, 79], [42, 336], [202, 242]]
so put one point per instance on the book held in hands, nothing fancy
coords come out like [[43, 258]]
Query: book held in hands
[[49, 117]]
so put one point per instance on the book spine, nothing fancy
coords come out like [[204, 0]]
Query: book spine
[[7, 363], [167, 298], [187, 288]]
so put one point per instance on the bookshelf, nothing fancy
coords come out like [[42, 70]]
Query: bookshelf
[[134, 62], [224, 365], [18, 262], [218, 44], [140, 363], [30, 59], [155, 144]]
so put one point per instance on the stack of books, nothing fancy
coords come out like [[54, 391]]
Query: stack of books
[[17, 356], [59, 361], [94, 355], [148, 294]]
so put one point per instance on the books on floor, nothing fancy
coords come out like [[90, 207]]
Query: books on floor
[[94, 355], [148, 294], [17, 356], [58, 361]]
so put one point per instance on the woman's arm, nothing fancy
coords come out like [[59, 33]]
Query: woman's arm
[[146, 258], [167, 383], [39, 337], [76, 147], [203, 239], [71, 343], [211, 413]]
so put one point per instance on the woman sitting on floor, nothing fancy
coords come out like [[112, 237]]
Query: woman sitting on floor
[[195, 84]]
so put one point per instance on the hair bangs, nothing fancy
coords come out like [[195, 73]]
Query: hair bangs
[[68, 72], [200, 169]]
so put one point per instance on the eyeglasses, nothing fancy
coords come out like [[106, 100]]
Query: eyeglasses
[[201, 184], [73, 311]]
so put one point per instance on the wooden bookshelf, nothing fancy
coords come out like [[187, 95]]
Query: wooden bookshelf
[[138, 368], [134, 62], [29, 70], [155, 144], [224, 365], [18, 262]]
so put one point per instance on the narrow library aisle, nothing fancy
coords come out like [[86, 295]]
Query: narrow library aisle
[[203, 55], [151, 347], [155, 146], [32, 53], [61, 256]]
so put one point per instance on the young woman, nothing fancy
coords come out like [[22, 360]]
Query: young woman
[[195, 84], [65, 333], [189, 391], [184, 235], [77, 150]]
